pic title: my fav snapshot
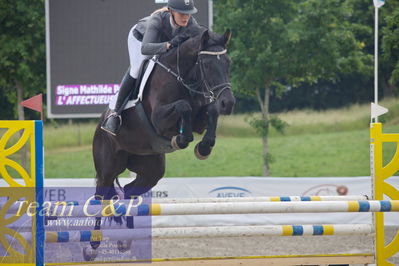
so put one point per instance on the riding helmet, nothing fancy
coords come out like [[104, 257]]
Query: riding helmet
[[182, 6]]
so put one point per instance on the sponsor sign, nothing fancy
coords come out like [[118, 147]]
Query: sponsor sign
[[87, 52]]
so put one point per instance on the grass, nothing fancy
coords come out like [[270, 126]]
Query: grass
[[328, 143]]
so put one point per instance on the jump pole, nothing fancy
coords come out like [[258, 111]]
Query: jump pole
[[227, 208], [17, 205], [205, 232]]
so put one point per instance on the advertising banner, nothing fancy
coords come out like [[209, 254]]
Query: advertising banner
[[87, 52]]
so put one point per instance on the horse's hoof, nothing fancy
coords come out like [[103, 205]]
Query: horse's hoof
[[175, 143], [89, 254], [129, 222], [198, 153], [124, 245], [95, 244]]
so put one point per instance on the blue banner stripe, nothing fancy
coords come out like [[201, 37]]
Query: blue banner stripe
[[385, 206], [143, 210], [318, 230], [306, 199], [364, 206], [120, 210], [63, 237], [285, 199], [297, 230], [85, 236], [39, 182], [95, 202]]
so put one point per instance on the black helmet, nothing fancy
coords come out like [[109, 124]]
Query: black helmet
[[182, 6]]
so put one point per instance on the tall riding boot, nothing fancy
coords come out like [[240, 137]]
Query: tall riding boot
[[113, 122]]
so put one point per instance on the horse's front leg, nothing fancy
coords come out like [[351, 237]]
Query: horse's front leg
[[204, 147], [179, 113]]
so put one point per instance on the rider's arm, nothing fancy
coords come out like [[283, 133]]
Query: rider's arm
[[151, 44]]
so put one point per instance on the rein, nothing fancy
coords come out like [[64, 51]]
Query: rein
[[209, 93]]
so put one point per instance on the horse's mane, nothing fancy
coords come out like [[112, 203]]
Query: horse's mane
[[196, 33], [214, 38]]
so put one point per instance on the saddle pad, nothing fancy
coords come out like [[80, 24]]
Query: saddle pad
[[133, 102]]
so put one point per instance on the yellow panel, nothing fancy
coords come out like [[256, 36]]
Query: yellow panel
[[13, 127], [51, 237], [381, 188], [287, 230], [155, 209], [96, 235], [275, 199], [353, 206], [315, 198], [16, 190], [328, 229]]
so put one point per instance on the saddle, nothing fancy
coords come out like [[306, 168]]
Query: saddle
[[159, 143], [136, 95], [142, 70]]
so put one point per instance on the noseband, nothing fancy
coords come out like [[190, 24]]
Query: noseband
[[209, 93]]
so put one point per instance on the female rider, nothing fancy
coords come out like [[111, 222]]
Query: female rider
[[152, 35]]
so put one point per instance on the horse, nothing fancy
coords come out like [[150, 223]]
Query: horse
[[186, 92]]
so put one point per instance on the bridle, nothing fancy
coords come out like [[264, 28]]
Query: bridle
[[209, 93]]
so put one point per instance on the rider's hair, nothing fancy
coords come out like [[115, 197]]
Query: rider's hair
[[163, 9]]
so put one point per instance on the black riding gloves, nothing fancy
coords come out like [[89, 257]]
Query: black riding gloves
[[177, 40]]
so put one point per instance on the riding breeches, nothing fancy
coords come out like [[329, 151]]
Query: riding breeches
[[135, 56]]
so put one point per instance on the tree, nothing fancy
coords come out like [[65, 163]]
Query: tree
[[281, 44], [22, 53], [390, 41]]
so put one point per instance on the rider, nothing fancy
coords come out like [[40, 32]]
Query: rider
[[152, 35]]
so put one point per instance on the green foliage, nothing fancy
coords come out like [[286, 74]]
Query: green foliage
[[278, 124], [261, 126], [22, 42], [280, 44], [323, 41], [291, 41], [390, 41]]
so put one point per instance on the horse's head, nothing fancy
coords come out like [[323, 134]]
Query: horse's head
[[208, 51]]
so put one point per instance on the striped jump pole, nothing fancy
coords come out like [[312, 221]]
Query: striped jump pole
[[230, 208], [207, 232], [261, 199], [16, 206]]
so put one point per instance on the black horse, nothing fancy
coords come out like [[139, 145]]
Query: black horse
[[176, 107], [188, 88]]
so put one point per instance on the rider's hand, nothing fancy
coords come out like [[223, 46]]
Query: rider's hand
[[178, 40]]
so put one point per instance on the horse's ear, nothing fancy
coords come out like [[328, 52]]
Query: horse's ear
[[226, 37], [204, 39]]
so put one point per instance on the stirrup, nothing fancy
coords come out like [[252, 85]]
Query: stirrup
[[116, 115], [103, 125]]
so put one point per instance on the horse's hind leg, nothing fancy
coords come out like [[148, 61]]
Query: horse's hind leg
[[108, 164], [149, 169]]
